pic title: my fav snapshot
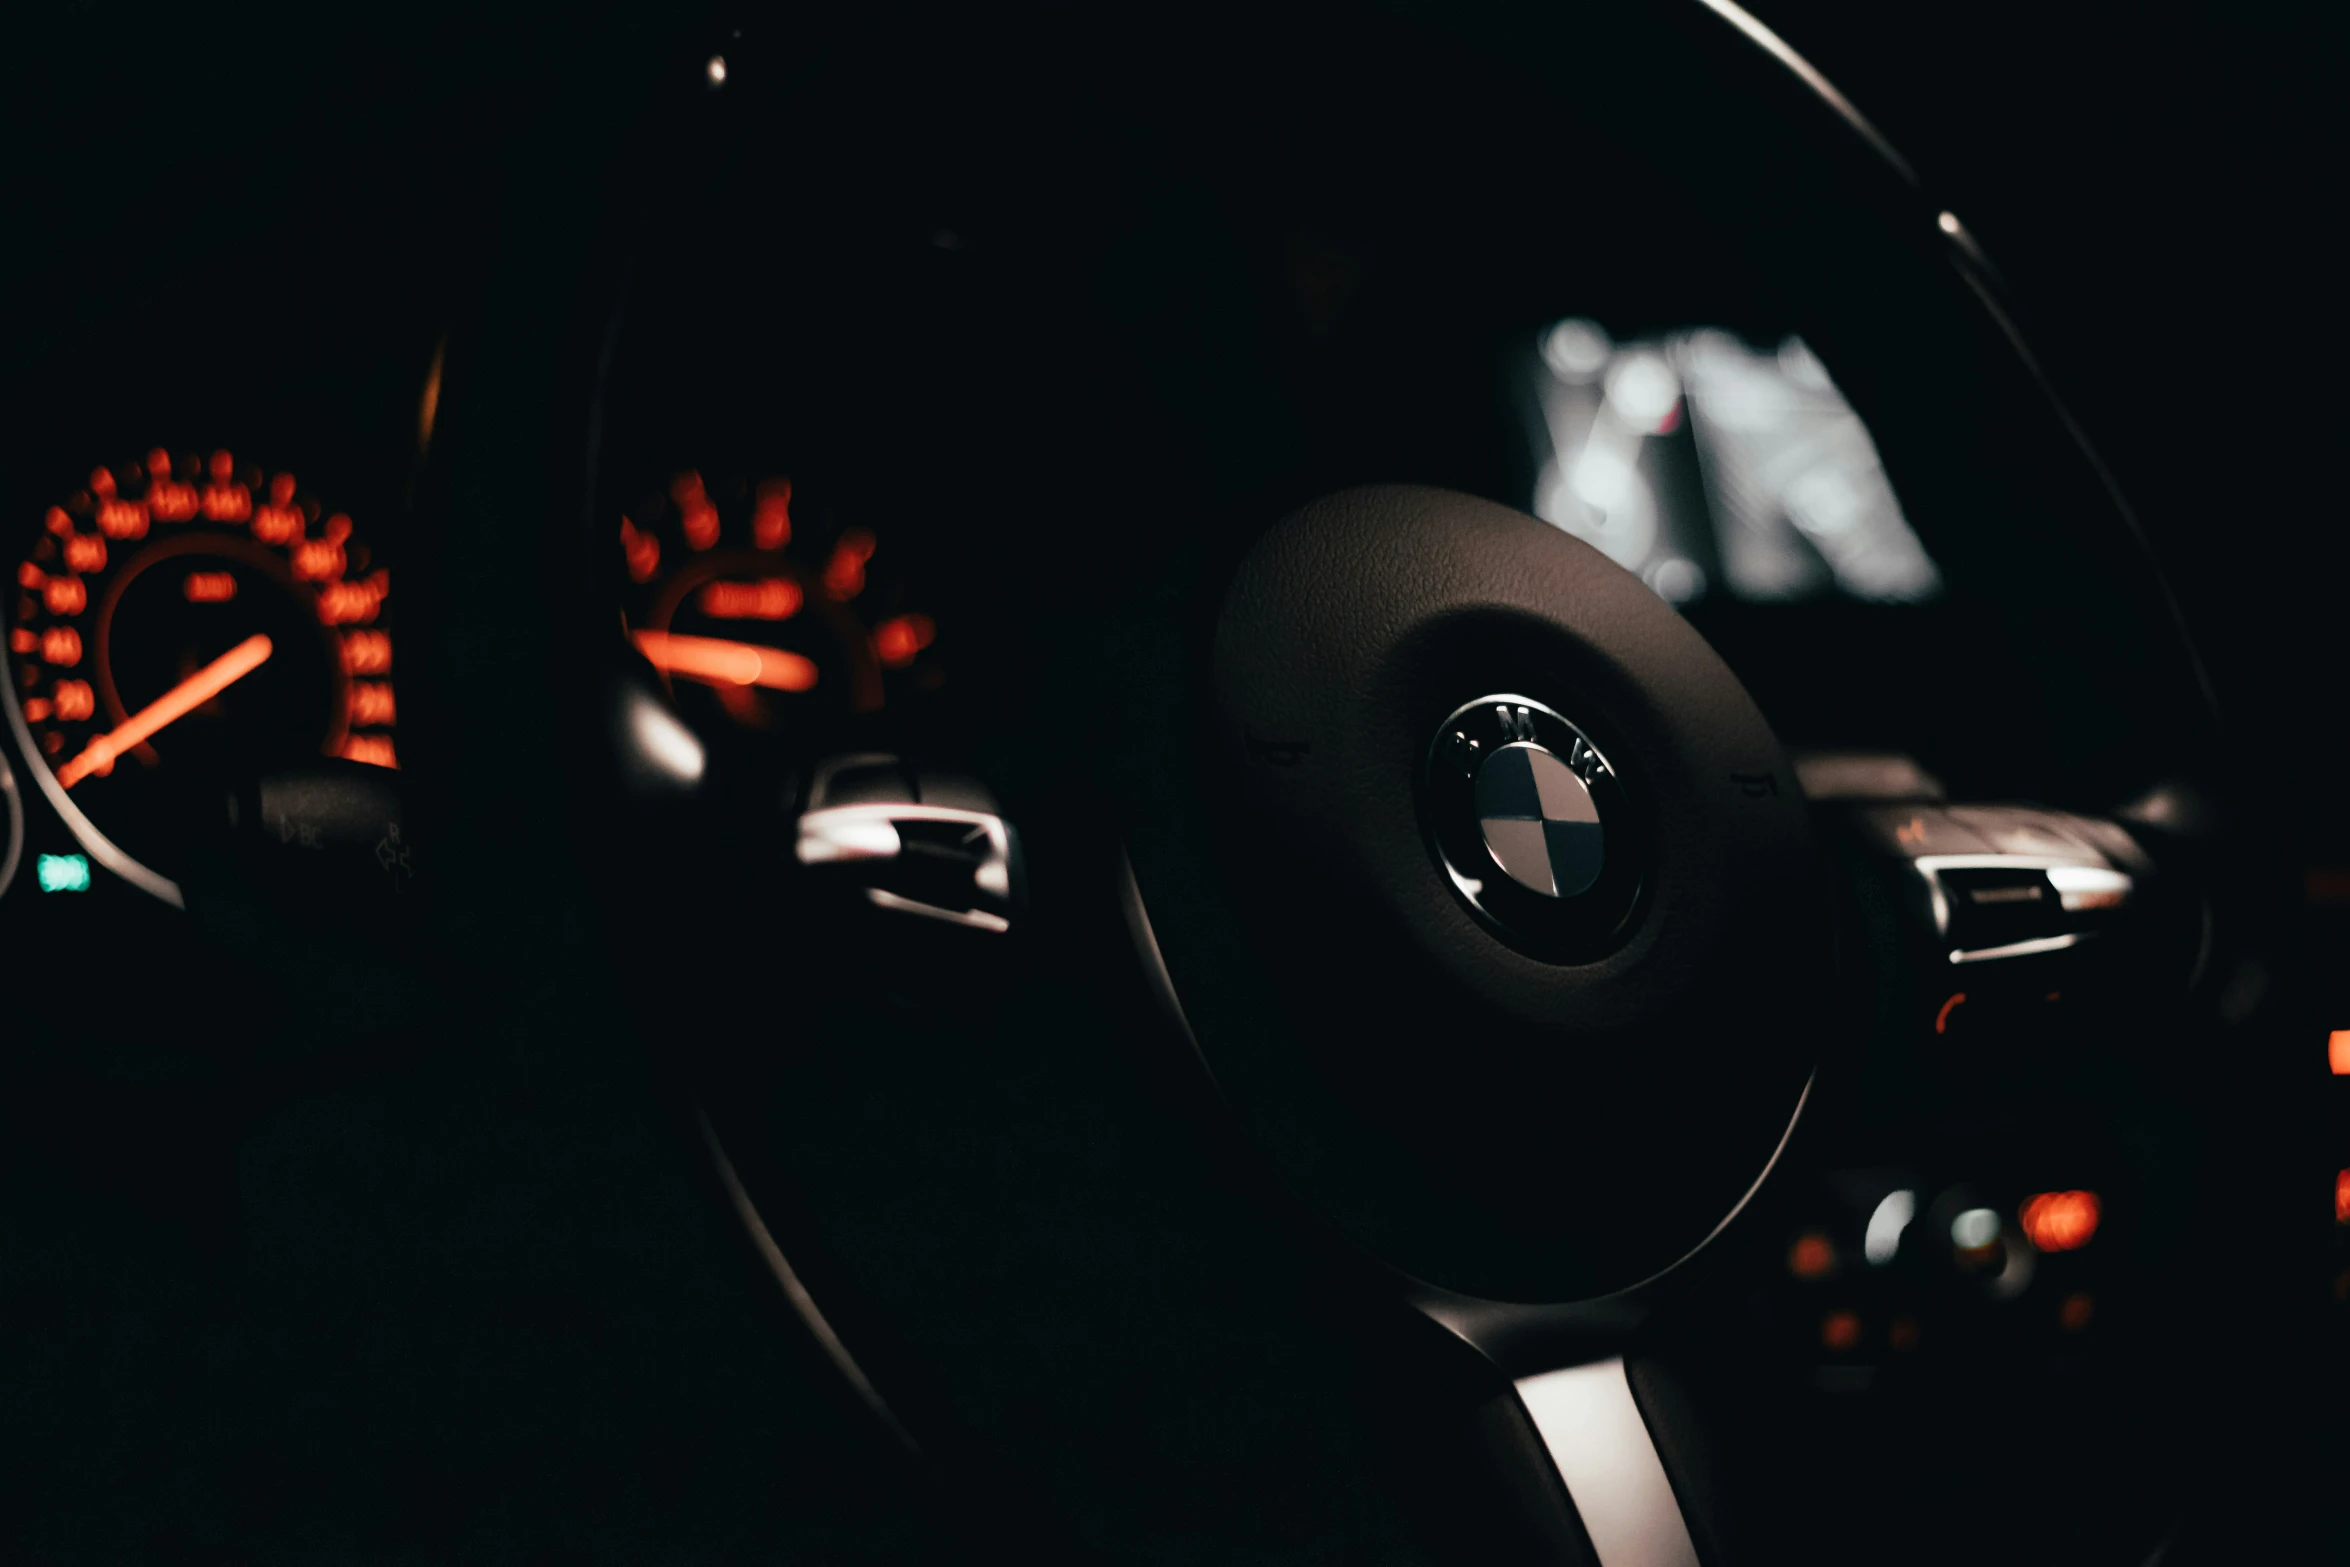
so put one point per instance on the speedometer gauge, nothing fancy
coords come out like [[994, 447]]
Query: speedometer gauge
[[180, 621], [766, 615]]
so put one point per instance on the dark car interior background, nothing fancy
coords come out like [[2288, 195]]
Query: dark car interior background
[[791, 784]]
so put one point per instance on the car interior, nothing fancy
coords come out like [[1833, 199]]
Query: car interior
[[1335, 783]]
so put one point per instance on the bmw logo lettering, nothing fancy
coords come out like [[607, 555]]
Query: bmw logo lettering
[[1532, 827]]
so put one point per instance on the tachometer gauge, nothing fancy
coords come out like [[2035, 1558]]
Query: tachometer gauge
[[180, 621], [764, 619]]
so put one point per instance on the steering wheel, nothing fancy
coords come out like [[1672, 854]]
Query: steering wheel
[[1302, 1035]]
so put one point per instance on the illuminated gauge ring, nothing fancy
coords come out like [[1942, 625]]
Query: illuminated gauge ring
[[15, 849], [62, 692]]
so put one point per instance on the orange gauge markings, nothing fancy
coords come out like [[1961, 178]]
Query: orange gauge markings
[[897, 639], [770, 598], [642, 549], [371, 703], [367, 652], [348, 603], [771, 517], [374, 750], [844, 573]]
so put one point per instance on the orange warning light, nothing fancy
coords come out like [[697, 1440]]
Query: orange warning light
[[844, 573], [1840, 1331], [769, 598], [2061, 1221], [367, 652], [75, 701], [898, 639], [61, 645], [2338, 1051], [642, 549], [2342, 1197], [1813, 1256], [771, 518], [374, 750], [209, 587]]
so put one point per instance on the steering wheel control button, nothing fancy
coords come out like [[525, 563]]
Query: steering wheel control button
[[2001, 882], [930, 845], [1531, 826]]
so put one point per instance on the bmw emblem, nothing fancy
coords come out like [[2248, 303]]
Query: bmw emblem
[[1532, 827]]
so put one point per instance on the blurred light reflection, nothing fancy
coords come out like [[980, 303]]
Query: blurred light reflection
[[1883, 1240], [1974, 1229], [1694, 458], [2061, 1221], [664, 742]]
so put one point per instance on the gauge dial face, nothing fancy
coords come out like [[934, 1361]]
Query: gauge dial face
[[767, 616], [181, 620]]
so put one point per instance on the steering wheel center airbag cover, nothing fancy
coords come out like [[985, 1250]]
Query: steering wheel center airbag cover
[[1561, 1081]]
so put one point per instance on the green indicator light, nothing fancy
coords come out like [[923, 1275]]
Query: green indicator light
[[63, 872]]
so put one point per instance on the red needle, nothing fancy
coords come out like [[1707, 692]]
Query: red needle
[[719, 662], [199, 688]]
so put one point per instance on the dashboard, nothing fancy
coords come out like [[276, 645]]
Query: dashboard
[[688, 631]]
